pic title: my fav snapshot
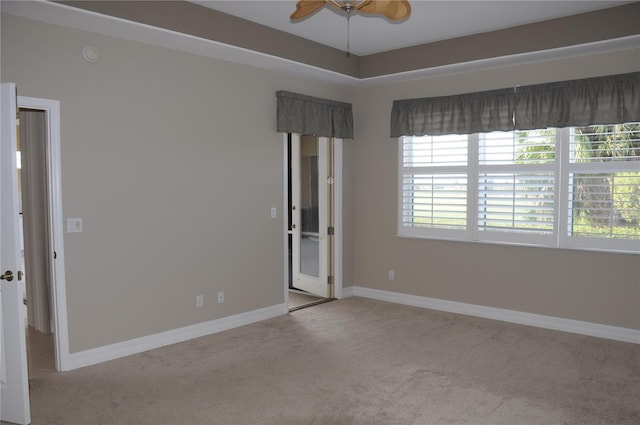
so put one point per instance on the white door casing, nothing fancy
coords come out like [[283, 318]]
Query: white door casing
[[14, 387]]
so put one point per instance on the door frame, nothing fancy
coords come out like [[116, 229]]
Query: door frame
[[336, 250], [56, 226]]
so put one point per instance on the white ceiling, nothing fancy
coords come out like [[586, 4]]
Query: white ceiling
[[430, 20]]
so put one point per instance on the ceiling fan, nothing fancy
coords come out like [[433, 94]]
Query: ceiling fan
[[394, 10]]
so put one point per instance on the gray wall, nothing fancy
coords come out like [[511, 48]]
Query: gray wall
[[594, 287], [173, 162]]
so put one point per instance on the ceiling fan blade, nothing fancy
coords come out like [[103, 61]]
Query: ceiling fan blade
[[391, 9], [306, 8]]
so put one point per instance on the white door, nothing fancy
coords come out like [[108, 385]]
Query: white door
[[14, 386], [309, 213]]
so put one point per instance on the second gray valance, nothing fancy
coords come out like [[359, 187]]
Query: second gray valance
[[601, 100], [590, 101], [302, 114]]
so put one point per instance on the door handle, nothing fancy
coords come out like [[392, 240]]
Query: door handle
[[8, 276]]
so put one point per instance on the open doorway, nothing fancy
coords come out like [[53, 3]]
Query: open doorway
[[310, 227], [39, 185], [34, 239]]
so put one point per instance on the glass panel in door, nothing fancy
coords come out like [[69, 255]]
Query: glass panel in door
[[308, 213], [309, 235]]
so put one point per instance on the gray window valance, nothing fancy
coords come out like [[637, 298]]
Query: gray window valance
[[460, 114], [302, 114], [601, 100]]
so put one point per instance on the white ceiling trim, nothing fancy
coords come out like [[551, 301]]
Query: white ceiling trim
[[618, 44], [71, 17]]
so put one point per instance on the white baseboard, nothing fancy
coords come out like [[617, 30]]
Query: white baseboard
[[349, 291], [522, 318], [138, 345]]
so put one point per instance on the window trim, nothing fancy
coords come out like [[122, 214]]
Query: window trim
[[559, 239]]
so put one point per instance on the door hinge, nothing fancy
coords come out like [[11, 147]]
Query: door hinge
[[330, 280], [330, 180], [331, 230]]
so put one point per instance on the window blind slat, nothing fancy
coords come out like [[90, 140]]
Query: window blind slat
[[516, 202], [604, 205], [436, 201]]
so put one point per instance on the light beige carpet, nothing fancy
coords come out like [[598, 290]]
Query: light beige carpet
[[298, 299], [40, 353], [357, 361]]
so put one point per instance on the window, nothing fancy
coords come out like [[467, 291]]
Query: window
[[575, 187]]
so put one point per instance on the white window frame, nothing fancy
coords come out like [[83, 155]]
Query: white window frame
[[562, 168]]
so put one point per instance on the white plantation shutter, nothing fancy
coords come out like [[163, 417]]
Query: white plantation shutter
[[517, 147], [577, 187], [438, 201], [516, 187], [621, 143], [516, 202], [603, 185], [600, 207], [434, 151], [433, 188]]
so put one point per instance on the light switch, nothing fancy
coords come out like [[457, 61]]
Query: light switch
[[74, 225], [274, 212]]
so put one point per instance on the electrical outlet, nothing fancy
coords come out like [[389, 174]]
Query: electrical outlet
[[199, 301], [392, 275], [220, 297]]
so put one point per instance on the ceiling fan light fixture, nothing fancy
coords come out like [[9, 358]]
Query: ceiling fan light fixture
[[394, 10], [348, 5]]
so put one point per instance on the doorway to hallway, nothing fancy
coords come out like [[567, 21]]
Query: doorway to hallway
[[43, 248], [34, 235]]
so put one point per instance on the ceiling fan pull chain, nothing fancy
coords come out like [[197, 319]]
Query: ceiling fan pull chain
[[348, 32]]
